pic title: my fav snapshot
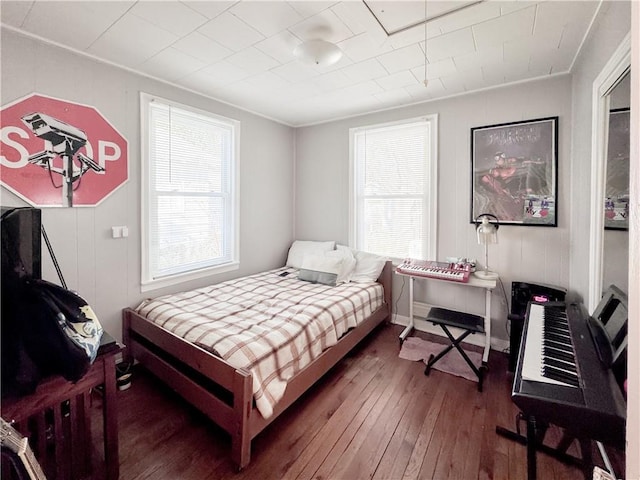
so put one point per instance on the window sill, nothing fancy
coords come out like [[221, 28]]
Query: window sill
[[148, 285]]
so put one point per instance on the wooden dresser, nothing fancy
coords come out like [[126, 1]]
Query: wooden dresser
[[56, 419]]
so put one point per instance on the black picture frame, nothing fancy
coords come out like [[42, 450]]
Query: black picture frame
[[514, 172], [616, 201]]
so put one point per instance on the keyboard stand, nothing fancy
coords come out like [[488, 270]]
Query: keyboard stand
[[534, 439], [467, 322]]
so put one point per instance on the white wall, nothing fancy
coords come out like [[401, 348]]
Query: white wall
[[536, 254], [612, 25], [106, 271]]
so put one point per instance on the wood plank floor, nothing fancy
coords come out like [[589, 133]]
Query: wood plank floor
[[372, 416]]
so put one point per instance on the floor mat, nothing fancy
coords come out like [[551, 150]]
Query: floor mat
[[415, 349]]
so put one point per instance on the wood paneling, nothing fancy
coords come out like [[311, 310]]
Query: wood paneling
[[372, 416]]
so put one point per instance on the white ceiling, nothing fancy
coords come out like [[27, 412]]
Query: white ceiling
[[241, 52]]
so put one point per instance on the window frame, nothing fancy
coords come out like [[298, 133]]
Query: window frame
[[147, 280], [431, 179]]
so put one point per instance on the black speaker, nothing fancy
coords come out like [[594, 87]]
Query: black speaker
[[521, 294]]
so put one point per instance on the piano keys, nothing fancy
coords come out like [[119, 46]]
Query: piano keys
[[455, 272], [549, 355]]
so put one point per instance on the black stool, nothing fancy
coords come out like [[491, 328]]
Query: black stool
[[469, 323]]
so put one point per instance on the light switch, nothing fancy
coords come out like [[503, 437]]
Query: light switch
[[119, 232]]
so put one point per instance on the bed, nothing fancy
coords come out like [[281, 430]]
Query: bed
[[169, 337]]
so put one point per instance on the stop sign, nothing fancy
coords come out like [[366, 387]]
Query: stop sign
[[59, 153]]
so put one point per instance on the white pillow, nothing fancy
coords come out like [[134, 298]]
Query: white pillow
[[338, 264], [348, 263], [323, 269], [301, 247], [368, 267]]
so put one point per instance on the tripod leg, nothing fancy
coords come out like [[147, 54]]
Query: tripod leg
[[531, 448], [587, 458]]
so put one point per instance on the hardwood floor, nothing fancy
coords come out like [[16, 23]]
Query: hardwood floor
[[372, 416]]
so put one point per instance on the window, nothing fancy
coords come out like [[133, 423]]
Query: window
[[189, 193], [394, 188]]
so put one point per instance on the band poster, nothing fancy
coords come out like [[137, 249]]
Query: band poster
[[515, 170]]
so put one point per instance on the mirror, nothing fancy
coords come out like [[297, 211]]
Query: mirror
[[604, 98], [615, 247]]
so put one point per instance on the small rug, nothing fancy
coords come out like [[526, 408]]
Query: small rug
[[415, 348]]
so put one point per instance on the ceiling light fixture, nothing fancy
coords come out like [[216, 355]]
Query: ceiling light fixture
[[318, 52]]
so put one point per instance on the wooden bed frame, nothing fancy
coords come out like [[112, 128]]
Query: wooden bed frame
[[222, 392]]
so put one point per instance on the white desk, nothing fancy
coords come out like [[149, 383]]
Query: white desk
[[473, 282]]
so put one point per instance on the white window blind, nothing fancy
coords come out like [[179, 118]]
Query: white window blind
[[190, 198], [394, 187]]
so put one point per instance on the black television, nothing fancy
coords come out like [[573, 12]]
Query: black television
[[21, 231]]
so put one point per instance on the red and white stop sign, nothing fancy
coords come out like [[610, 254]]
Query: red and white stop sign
[[59, 153]]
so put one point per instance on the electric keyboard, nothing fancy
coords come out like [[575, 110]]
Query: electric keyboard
[[455, 272], [560, 377]]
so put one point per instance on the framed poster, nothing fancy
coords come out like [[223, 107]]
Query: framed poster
[[616, 202], [514, 172]]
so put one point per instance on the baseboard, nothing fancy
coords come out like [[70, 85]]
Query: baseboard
[[422, 310]]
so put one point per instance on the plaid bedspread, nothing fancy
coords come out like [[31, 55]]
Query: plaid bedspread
[[270, 325]]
